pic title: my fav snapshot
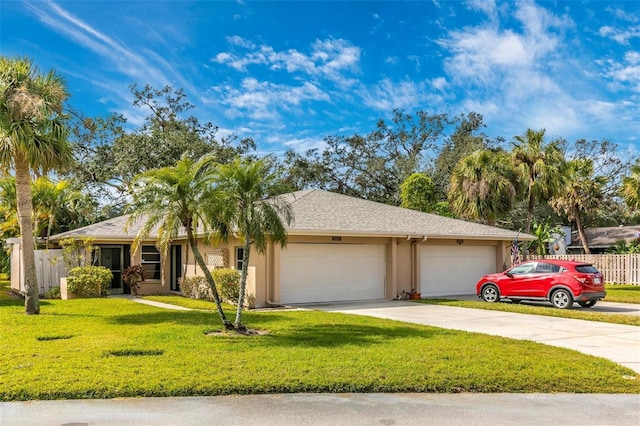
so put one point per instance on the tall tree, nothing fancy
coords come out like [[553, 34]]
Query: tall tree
[[464, 141], [370, 166], [176, 198], [52, 201], [631, 187], [580, 192], [483, 185], [108, 154], [417, 192], [256, 218], [542, 165], [33, 137]]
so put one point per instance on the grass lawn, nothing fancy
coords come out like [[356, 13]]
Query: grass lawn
[[624, 293], [107, 348]]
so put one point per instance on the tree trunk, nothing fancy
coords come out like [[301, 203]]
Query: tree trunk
[[25, 211], [243, 284], [207, 274], [583, 236], [530, 209]]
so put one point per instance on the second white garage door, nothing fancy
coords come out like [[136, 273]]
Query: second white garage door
[[454, 270], [331, 272]]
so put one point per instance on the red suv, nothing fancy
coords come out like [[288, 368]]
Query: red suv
[[560, 282]]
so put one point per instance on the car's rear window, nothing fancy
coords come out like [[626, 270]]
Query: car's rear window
[[587, 269]]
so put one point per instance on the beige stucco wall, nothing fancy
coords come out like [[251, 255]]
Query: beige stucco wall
[[402, 263]]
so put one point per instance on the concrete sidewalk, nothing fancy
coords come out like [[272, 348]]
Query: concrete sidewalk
[[619, 343], [334, 409]]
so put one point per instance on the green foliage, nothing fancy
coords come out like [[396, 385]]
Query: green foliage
[[625, 247], [631, 187], [541, 165], [76, 252], [228, 282], [483, 186], [109, 155], [89, 281], [311, 351], [196, 288], [370, 166], [5, 260], [417, 193], [133, 276], [52, 293], [544, 235]]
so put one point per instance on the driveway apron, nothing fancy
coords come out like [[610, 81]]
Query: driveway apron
[[618, 343]]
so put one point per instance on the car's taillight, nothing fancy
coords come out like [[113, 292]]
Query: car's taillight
[[582, 280]]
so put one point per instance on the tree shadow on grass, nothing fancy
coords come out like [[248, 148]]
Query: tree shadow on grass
[[284, 329], [335, 335]]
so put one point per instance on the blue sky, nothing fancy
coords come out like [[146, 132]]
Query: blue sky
[[290, 73]]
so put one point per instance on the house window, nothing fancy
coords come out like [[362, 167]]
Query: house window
[[151, 262], [239, 257]]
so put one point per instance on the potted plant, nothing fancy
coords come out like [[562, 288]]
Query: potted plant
[[133, 276], [414, 295]]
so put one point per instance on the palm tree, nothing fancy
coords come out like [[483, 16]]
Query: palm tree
[[483, 186], [180, 197], [251, 214], [33, 136], [581, 191], [51, 201], [631, 187], [542, 166]]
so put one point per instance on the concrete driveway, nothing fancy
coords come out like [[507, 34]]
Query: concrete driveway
[[619, 343]]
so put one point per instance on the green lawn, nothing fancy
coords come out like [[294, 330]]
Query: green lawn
[[107, 348], [624, 293]]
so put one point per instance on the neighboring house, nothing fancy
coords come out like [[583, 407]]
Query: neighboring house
[[601, 239], [339, 248]]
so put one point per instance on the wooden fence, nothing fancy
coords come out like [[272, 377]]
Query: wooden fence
[[49, 269], [616, 268]]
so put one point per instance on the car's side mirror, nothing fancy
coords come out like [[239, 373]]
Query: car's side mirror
[[509, 274]]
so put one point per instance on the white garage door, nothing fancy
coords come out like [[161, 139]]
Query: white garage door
[[454, 270], [331, 272]]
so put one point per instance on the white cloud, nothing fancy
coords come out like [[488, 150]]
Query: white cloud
[[622, 36], [624, 75], [263, 100], [388, 95], [326, 58]]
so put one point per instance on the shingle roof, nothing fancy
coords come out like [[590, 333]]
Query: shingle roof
[[606, 236], [327, 213], [319, 212]]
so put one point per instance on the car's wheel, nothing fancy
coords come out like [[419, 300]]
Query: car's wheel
[[561, 299], [490, 293], [587, 304]]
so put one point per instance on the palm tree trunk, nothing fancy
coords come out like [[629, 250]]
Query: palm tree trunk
[[49, 227], [583, 236], [25, 211], [530, 209], [243, 284], [207, 274]]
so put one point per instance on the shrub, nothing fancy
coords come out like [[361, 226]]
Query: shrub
[[133, 276], [52, 293], [89, 281], [228, 284], [196, 288]]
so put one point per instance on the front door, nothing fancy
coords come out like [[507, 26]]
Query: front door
[[111, 257], [176, 267]]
